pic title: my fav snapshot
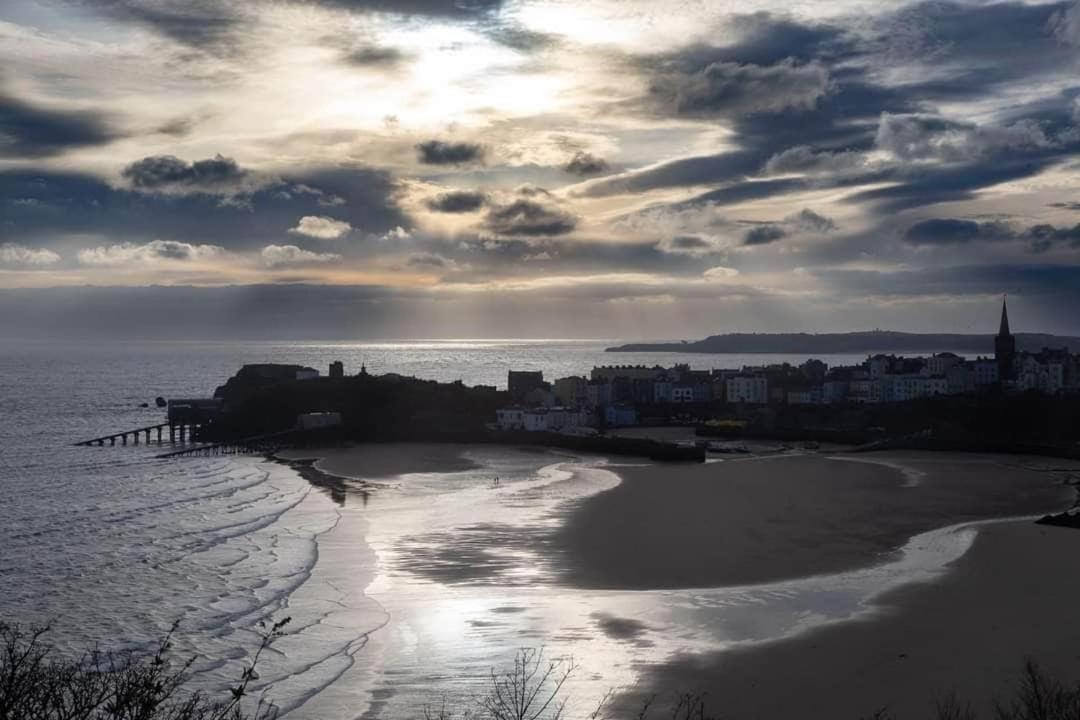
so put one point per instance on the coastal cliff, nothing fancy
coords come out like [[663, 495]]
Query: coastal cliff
[[854, 342]]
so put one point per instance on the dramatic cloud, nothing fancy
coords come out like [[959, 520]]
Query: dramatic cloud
[[17, 255], [321, 227], [433, 262], [1045, 237], [528, 218], [654, 164], [435, 8], [206, 24], [43, 205], [439, 152], [276, 256], [156, 250], [458, 201], [724, 89], [809, 221], [918, 137], [584, 164], [378, 56], [29, 130], [168, 171], [804, 159], [764, 234], [952, 231]]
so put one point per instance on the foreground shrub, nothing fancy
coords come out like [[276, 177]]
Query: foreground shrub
[[36, 683]]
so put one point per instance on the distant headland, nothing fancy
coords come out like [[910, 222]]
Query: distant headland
[[853, 342]]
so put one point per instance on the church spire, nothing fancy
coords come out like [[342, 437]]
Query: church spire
[[1004, 330]]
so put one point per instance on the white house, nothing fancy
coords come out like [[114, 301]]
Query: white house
[[833, 391], [986, 371], [747, 389], [535, 420], [682, 394], [512, 418], [940, 363], [867, 390]]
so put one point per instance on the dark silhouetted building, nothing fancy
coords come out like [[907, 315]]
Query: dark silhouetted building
[[521, 382], [337, 369], [1004, 347]]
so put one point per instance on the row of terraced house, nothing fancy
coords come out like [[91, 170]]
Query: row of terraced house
[[612, 395]]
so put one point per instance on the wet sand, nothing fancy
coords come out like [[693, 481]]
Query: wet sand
[[751, 521], [1012, 596], [373, 461]]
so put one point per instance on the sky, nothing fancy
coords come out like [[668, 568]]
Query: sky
[[539, 168]]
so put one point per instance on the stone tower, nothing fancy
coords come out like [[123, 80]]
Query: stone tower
[[1004, 346]]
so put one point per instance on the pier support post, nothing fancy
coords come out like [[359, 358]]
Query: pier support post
[[123, 439], [158, 434], [172, 433], [112, 440]]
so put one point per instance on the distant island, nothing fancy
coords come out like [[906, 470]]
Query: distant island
[[853, 342]]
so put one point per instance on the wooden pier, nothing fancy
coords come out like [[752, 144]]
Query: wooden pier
[[257, 444], [178, 432]]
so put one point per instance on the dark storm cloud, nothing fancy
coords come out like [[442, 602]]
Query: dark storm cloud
[[458, 201], [440, 152], [28, 130], [1066, 205], [1044, 237], [923, 186], [764, 234], [785, 118], [843, 121], [38, 206], [731, 89], [528, 218], [162, 171], [984, 43], [950, 231], [584, 163]]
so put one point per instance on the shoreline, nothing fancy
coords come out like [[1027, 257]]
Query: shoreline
[[915, 644], [748, 673], [747, 522]]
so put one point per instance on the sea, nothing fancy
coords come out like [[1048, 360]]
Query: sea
[[399, 600]]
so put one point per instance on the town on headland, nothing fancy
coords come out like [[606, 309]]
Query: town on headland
[[1012, 401]]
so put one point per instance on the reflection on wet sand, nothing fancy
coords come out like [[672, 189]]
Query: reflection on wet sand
[[567, 554]]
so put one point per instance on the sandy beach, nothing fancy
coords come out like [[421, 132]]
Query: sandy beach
[[1011, 597], [757, 520], [745, 522]]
